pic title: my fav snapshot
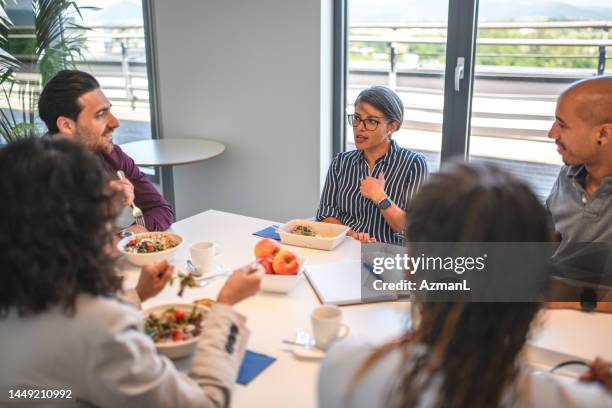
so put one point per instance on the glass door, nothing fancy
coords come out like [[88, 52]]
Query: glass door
[[401, 44], [522, 64]]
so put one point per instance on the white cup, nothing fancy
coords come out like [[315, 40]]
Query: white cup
[[203, 255], [326, 323]]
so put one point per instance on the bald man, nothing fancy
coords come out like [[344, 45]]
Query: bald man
[[580, 202]]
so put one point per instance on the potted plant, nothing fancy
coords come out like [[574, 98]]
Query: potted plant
[[55, 43]]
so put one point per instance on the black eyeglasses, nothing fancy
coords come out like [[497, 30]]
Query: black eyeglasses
[[369, 123]]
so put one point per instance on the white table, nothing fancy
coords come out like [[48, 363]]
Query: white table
[[171, 152], [273, 317]]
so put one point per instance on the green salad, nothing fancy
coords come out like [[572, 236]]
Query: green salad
[[174, 325]]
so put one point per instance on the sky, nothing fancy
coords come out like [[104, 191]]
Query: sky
[[112, 11]]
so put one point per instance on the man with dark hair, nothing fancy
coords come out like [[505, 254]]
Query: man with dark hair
[[581, 199], [72, 105]]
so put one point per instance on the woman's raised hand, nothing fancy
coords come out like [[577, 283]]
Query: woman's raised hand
[[241, 284]]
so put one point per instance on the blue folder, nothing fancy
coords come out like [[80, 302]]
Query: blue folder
[[269, 232]]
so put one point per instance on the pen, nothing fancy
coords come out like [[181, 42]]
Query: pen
[[370, 269]]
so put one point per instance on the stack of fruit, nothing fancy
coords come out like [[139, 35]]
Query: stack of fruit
[[276, 261]]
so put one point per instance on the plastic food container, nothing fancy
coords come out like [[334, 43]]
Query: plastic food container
[[327, 236]]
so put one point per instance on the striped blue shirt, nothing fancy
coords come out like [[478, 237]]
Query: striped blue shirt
[[405, 171]]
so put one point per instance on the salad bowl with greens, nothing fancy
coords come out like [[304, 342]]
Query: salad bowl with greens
[[175, 328]]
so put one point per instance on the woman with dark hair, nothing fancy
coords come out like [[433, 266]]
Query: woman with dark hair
[[60, 325], [460, 354], [367, 189]]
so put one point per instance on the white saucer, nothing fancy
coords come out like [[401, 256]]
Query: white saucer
[[308, 353], [217, 269]]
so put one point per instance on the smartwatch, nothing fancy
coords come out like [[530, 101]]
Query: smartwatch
[[384, 203], [588, 300]]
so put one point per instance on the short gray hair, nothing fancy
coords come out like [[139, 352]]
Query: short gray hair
[[385, 100]]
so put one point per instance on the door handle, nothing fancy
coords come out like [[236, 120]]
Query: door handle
[[459, 72]]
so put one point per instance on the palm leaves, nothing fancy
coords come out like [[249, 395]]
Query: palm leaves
[[7, 61], [59, 42], [19, 122]]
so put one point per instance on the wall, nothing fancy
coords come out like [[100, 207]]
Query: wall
[[255, 76]]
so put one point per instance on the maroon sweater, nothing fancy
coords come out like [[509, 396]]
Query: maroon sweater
[[157, 212]]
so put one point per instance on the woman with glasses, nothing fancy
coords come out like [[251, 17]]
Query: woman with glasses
[[366, 189], [61, 327], [461, 353]]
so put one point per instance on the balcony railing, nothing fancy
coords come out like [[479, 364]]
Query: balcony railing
[[117, 55], [510, 120], [122, 64]]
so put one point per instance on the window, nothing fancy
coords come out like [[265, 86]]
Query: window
[[106, 39], [515, 66], [112, 49], [384, 48], [116, 55], [522, 65]]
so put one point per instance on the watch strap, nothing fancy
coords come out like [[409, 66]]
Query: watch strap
[[384, 203], [588, 299]]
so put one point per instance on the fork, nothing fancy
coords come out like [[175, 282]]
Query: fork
[[136, 212]]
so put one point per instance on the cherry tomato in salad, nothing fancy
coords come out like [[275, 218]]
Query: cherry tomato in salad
[[177, 335], [179, 315]]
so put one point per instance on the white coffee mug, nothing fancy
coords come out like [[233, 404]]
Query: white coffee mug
[[203, 255], [326, 324]]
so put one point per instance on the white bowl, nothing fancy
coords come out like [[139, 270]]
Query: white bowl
[[153, 257], [328, 236], [281, 283], [181, 348]]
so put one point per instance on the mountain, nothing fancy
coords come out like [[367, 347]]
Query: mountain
[[541, 10], [361, 11]]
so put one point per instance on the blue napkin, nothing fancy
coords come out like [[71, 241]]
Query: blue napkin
[[253, 364], [269, 232]]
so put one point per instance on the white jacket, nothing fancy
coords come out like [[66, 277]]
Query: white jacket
[[373, 388], [103, 356]]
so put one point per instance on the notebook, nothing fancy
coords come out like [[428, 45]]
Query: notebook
[[340, 283]]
